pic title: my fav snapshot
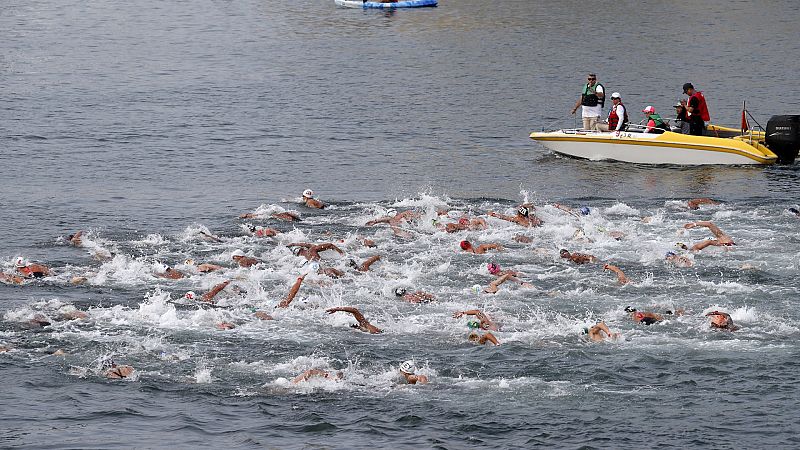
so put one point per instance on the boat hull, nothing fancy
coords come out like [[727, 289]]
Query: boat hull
[[378, 5], [645, 148]]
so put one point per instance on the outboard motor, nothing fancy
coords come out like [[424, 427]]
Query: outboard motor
[[783, 137]]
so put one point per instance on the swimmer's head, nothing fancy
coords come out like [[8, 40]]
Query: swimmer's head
[[463, 221], [189, 261], [391, 212], [190, 295], [465, 245], [296, 251], [20, 262], [472, 324], [400, 291], [408, 367], [681, 246], [352, 263], [585, 210], [522, 211], [237, 253], [564, 253], [308, 193], [493, 268], [794, 211], [474, 337], [669, 254], [585, 331], [252, 228], [630, 309]]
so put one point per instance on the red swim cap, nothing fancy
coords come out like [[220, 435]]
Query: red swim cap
[[465, 245]]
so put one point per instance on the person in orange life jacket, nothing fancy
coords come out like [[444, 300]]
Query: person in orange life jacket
[[591, 102], [698, 110], [617, 117], [655, 124]]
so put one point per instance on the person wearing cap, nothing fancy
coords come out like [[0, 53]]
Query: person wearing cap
[[600, 332], [259, 231], [363, 324], [697, 110], [577, 258], [484, 322], [244, 261], [647, 318], [655, 124], [591, 102], [414, 297], [678, 260], [523, 216], [681, 123], [479, 250], [409, 372], [311, 251], [617, 117], [29, 270], [721, 321], [310, 201]]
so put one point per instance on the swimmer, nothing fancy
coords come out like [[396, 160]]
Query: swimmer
[[722, 239], [721, 321], [244, 261], [74, 315], [75, 239], [465, 223], [292, 292], [677, 260], [208, 237], [224, 326], [481, 249], [115, 372], [523, 217], [600, 332], [522, 239], [414, 297], [647, 318], [481, 339], [364, 267], [582, 211], [484, 322], [577, 258], [363, 324], [208, 297], [494, 286], [287, 217], [396, 219], [170, 274], [29, 270], [317, 373], [262, 315], [38, 321], [9, 278], [309, 200], [794, 211], [204, 267], [311, 251], [259, 231], [368, 243], [408, 370], [696, 202], [620, 274]]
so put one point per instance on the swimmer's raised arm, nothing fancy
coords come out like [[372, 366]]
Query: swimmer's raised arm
[[364, 267], [495, 285], [363, 323], [488, 337], [209, 296], [292, 292], [377, 221], [327, 246], [620, 274]]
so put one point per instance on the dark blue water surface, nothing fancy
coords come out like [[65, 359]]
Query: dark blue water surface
[[147, 124]]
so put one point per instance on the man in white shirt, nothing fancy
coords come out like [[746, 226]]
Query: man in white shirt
[[591, 102]]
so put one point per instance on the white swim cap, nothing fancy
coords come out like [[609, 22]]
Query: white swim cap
[[20, 262], [308, 193], [189, 262], [190, 295], [408, 367], [237, 253], [391, 212]]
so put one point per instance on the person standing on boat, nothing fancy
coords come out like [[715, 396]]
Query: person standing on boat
[[617, 117], [697, 109], [591, 102]]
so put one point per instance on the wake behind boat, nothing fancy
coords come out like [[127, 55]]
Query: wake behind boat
[[779, 143], [381, 5]]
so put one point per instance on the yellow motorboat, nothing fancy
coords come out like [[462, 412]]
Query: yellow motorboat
[[721, 145]]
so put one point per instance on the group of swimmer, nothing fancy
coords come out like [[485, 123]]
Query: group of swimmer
[[691, 114], [479, 323]]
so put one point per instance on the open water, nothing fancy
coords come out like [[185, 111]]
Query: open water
[[147, 123]]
